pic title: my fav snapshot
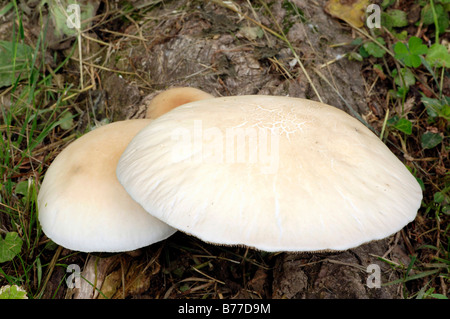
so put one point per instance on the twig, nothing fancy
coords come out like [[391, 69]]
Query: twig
[[50, 270], [71, 96], [212, 278]]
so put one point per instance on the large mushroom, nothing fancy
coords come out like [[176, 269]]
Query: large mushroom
[[272, 173]]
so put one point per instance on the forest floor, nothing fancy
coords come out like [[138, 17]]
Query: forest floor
[[57, 84]]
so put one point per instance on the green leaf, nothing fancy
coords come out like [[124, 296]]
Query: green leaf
[[432, 105], [427, 16], [400, 49], [374, 49], [355, 56], [184, 287], [405, 79], [427, 13], [438, 56], [10, 247], [421, 183], [403, 35], [430, 140], [436, 107], [12, 292], [387, 3], [22, 188], [438, 296], [401, 124], [438, 197], [410, 55], [67, 121], [15, 61], [416, 46], [404, 126], [357, 41], [363, 52], [394, 18], [443, 22], [402, 53]]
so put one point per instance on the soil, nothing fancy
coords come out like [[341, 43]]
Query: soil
[[204, 45], [207, 49]]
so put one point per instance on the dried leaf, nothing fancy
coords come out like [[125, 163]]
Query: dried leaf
[[351, 11]]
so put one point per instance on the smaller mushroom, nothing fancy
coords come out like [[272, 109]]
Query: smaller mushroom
[[82, 205], [172, 98]]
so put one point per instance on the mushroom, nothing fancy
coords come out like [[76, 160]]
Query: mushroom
[[168, 100], [82, 205], [269, 172]]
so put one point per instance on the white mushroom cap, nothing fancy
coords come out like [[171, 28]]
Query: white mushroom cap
[[82, 205], [273, 173], [172, 98]]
